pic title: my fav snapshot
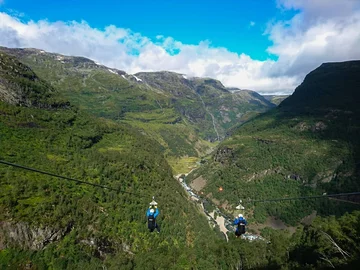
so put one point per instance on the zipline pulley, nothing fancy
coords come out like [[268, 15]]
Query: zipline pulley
[[153, 203]]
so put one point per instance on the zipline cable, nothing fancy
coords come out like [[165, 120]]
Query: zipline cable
[[306, 197], [65, 177], [132, 193]]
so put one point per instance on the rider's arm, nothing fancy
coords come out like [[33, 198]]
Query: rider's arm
[[157, 212]]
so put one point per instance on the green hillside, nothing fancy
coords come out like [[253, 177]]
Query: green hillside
[[276, 99], [332, 86], [186, 116], [27, 89], [50, 223], [308, 145], [210, 107]]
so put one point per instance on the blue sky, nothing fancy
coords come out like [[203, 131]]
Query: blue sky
[[237, 25], [263, 45]]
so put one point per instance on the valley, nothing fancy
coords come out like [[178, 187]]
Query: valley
[[72, 116], [179, 113]]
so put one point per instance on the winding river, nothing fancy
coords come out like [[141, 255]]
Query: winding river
[[216, 217]]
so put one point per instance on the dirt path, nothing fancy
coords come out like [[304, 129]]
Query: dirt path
[[220, 220], [180, 174]]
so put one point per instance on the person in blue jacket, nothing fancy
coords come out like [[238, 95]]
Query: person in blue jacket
[[240, 221], [151, 215]]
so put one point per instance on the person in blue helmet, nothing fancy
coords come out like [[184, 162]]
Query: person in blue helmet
[[240, 221], [151, 215]]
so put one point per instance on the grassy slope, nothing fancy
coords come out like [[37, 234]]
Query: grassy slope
[[275, 99], [198, 98], [100, 92], [27, 89], [169, 110]]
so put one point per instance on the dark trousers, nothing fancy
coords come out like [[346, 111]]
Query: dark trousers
[[152, 226], [240, 230]]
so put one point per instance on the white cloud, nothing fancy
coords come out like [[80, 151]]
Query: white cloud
[[123, 49], [320, 9], [300, 46], [251, 24], [332, 35]]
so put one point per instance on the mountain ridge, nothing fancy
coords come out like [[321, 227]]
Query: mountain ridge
[[339, 76], [186, 116], [307, 145], [19, 85], [48, 223]]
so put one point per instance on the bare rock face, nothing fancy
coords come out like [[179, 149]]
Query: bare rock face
[[8, 96], [29, 237], [19, 85], [319, 126], [261, 174], [103, 246]]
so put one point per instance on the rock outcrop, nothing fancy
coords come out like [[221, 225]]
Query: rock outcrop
[[29, 237]]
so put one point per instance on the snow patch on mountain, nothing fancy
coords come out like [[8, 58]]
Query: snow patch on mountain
[[137, 79]]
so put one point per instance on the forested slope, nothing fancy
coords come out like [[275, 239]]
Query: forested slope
[[50, 222], [187, 116], [308, 145]]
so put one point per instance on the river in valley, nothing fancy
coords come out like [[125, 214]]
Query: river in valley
[[215, 217]]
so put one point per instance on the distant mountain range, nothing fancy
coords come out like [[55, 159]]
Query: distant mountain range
[[275, 99], [185, 115]]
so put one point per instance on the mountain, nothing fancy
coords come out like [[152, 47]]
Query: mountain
[[272, 99], [47, 222], [50, 223], [275, 99], [253, 98], [186, 116], [307, 146], [332, 86], [19, 85], [206, 102]]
